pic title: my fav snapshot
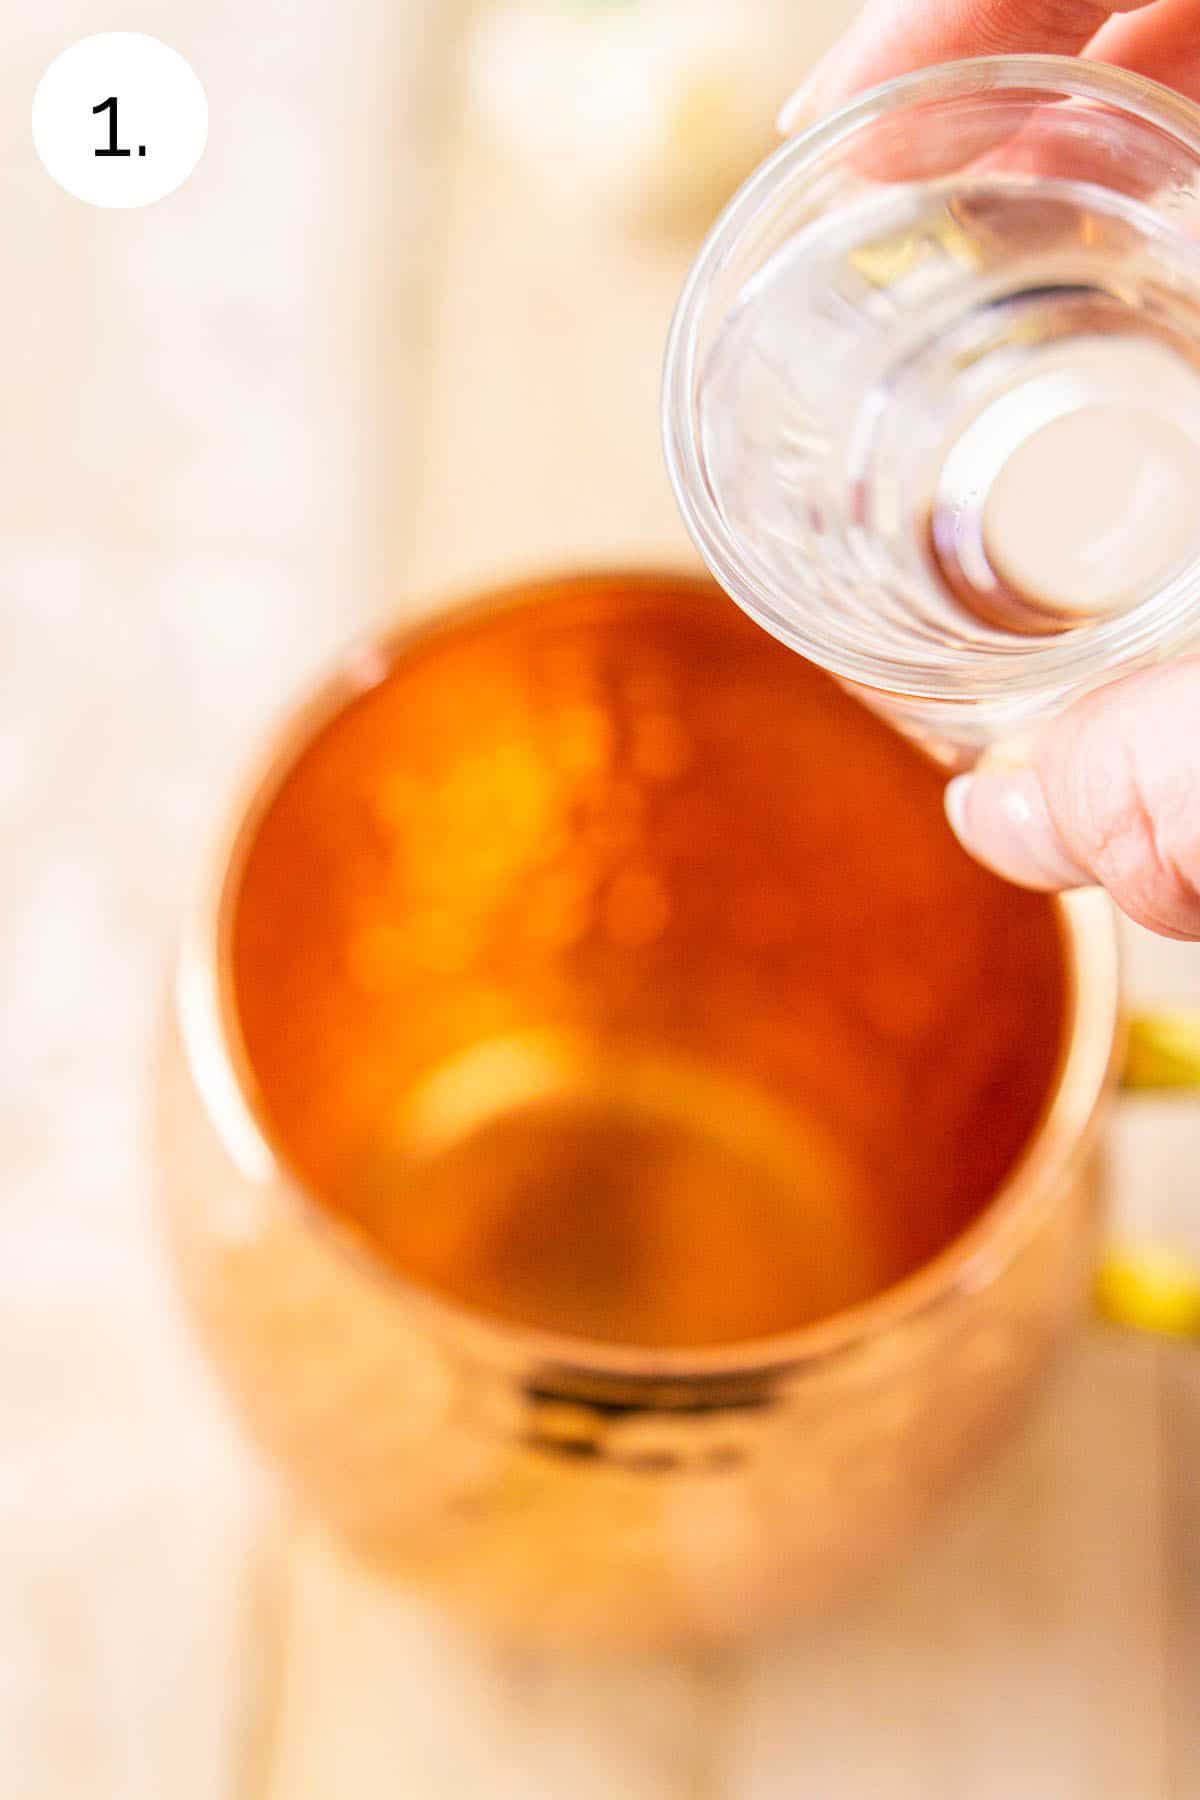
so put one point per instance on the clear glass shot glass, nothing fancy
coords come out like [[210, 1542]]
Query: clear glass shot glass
[[932, 392]]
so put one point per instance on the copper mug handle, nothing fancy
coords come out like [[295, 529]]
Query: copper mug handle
[[1149, 1286]]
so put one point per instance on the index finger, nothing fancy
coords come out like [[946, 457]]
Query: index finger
[[893, 37]]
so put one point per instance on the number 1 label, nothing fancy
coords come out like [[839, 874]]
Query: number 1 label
[[112, 148], [104, 92]]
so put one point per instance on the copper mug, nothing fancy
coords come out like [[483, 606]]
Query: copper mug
[[540, 1481]]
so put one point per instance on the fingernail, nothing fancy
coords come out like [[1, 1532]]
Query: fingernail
[[803, 107], [1000, 816]]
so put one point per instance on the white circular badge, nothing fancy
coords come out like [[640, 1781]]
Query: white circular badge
[[120, 119]]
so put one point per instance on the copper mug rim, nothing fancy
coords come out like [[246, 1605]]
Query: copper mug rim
[[213, 1047]]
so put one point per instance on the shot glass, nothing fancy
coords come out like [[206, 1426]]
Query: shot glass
[[932, 392]]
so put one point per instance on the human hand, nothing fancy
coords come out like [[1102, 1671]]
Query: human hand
[[1156, 38], [1109, 794]]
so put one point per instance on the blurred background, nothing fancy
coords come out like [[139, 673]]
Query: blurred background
[[399, 334]]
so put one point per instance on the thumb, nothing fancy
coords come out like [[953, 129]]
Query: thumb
[[1109, 796]]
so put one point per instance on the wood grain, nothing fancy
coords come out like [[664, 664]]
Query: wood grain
[[185, 531], [1041, 1641], [352, 364]]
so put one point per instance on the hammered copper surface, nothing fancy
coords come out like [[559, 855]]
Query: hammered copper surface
[[604, 785], [613, 972]]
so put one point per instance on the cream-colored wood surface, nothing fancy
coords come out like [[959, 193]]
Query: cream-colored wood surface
[[1042, 1641], [357, 364], [187, 525]]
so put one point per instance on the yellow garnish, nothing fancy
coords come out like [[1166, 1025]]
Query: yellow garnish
[[1152, 1288]]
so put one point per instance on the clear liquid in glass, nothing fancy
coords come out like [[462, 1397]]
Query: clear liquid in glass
[[964, 413]]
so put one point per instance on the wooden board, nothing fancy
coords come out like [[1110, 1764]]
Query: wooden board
[[1042, 1640], [354, 364]]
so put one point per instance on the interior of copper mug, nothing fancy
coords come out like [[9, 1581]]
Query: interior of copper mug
[[608, 970]]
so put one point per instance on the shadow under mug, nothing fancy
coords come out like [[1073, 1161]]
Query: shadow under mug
[[545, 1484]]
